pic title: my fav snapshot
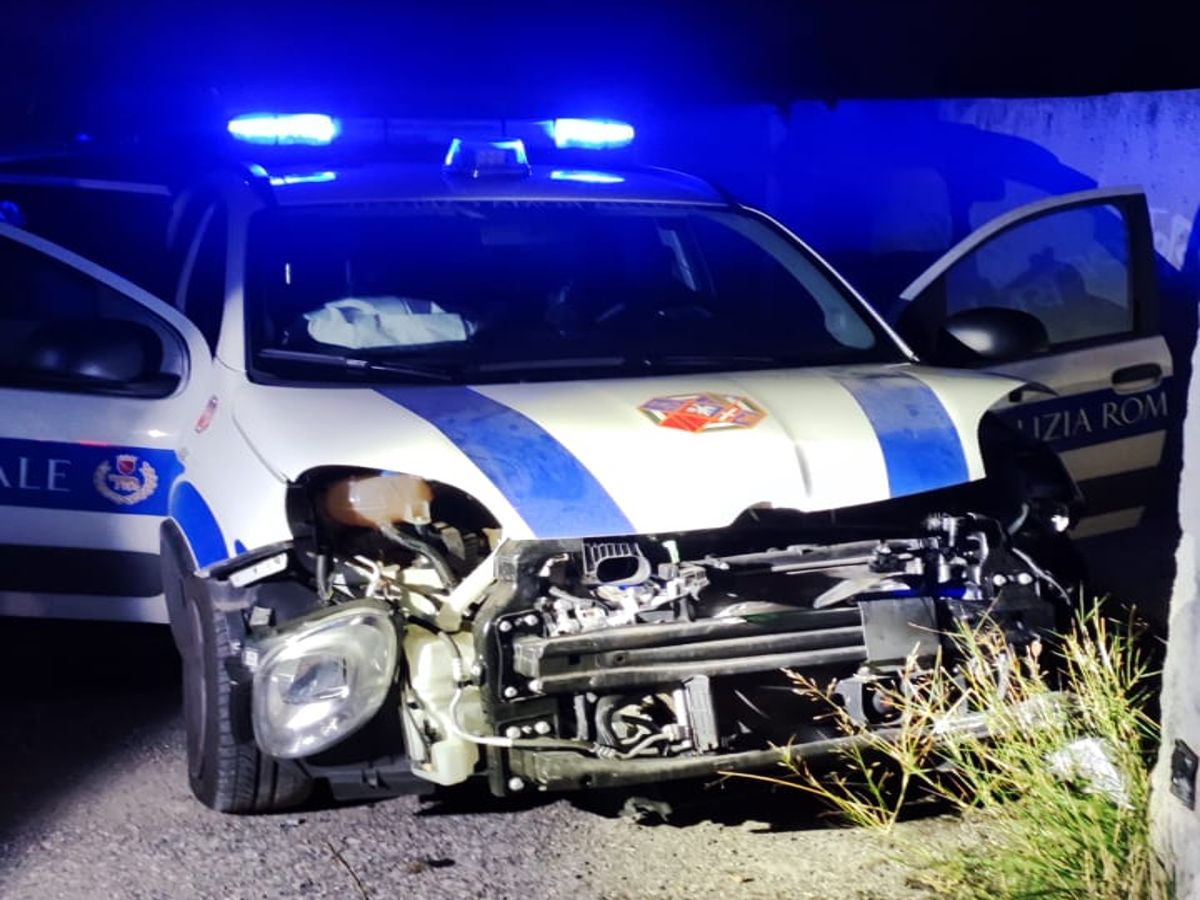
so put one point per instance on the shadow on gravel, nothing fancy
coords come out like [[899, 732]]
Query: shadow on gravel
[[730, 801], [675, 803], [75, 697], [680, 804], [474, 798]]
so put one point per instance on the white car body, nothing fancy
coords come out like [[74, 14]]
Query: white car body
[[588, 462], [236, 463], [1099, 430]]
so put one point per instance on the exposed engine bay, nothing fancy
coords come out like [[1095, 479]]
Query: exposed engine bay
[[566, 664], [675, 664]]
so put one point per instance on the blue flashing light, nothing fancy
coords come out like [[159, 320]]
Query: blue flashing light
[[304, 178], [594, 134], [315, 129], [11, 214], [479, 159], [454, 153], [583, 175]]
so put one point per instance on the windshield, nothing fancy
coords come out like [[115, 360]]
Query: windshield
[[507, 291]]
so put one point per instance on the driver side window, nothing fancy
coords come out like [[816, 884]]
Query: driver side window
[[63, 330], [1069, 269]]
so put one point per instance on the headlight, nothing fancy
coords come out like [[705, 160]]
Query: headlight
[[322, 679]]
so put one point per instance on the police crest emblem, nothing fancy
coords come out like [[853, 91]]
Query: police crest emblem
[[703, 412], [126, 483]]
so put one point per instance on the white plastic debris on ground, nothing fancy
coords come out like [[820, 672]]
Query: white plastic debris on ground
[[1089, 760]]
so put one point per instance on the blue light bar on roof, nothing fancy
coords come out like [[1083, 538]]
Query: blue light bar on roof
[[10, 214], [584, 176], [481, 159], [595, 134], [285, 128], [302, 178]]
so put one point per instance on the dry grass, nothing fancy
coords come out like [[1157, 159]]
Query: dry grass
[[1052, 769]]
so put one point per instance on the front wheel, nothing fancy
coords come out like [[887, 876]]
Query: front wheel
[[226, 770]]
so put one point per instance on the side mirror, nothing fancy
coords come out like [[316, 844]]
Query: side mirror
[[989, 334], [110, 356]]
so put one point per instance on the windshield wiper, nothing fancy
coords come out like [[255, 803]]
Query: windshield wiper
[[582, 362], [354, 364], [714, 359]]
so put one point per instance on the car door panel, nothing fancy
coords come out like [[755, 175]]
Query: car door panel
[[85, 475], [1103, 395], [1111, 438]]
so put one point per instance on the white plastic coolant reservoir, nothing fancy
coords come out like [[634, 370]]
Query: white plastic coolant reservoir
[[430, 666]]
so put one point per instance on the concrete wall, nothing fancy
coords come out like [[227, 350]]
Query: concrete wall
[[1152, 140], [882, 188], [1177, 827], [862, 180]]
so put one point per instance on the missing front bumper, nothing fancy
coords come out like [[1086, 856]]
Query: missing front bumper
[[560, 771], [708, 682]]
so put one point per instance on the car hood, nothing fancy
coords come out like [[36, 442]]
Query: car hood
[[643, 455]]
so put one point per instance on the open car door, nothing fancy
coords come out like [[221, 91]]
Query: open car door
[[98, 378], [1082, 264]]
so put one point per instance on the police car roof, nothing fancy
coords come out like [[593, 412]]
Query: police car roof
[[405, 181]]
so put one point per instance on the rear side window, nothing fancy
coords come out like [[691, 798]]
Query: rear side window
[[62, 329]]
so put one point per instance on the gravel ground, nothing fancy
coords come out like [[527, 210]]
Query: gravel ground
[[94, 803]]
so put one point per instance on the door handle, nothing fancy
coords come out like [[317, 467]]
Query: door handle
[[1016, 395], [1137, 377]]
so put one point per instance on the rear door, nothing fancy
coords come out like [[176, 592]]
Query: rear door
[[97, 380], [1083, 264]]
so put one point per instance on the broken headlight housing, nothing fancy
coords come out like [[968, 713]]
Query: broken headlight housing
[[322, 678]]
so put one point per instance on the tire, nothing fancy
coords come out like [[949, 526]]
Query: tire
[[226, 770]]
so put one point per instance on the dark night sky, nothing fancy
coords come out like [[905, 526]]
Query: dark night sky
[[180, 61]]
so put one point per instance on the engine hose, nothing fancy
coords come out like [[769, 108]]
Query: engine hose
[[643, 745], [494, 740], [566, 595], [425, 549], [324, 592], [490, 740], [603, 716], [1015, 526], [1043, 575]]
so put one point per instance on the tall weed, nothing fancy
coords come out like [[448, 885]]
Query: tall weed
[[1049, 765]]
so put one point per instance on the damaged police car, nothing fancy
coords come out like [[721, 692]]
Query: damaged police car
[[551, 475]]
